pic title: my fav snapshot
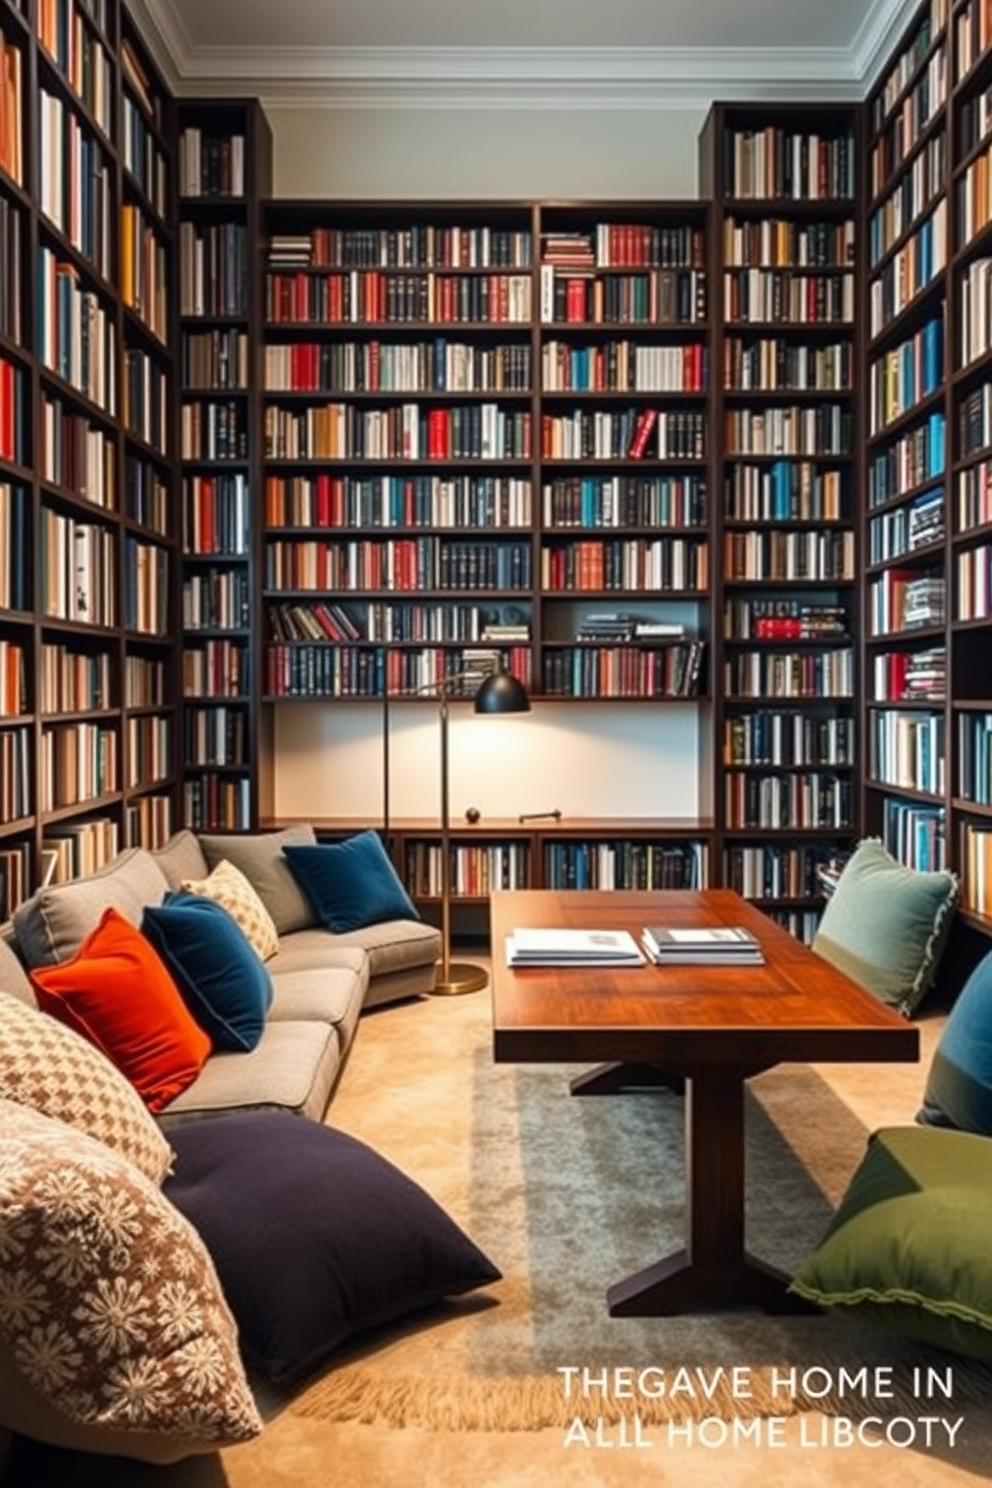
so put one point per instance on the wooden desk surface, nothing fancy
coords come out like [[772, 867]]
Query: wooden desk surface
[[795, 1008]]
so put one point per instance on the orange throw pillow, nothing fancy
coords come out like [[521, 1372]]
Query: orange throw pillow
[[116, 992]]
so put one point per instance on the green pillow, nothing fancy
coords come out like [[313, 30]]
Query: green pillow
[[885, 925], [909, 1245]]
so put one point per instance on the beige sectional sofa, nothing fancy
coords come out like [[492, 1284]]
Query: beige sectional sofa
[[321, 980]]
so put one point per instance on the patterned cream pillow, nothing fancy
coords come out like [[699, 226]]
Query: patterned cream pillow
[[109, 1303], [228, 887], [47, 1066]]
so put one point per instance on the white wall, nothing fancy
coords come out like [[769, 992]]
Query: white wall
[[520, 155], [596, 760]]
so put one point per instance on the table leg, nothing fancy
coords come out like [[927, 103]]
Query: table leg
[[713, 1270]]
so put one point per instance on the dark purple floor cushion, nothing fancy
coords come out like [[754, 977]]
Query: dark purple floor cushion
[[315, 1237]]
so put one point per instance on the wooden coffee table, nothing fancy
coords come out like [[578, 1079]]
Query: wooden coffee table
[[711, 1027]]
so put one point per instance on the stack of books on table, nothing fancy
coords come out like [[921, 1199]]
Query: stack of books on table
[[720, 945], [572, 948]]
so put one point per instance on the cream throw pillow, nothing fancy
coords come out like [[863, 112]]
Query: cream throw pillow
[[228, 887], [110, 1306], [54, 1070]]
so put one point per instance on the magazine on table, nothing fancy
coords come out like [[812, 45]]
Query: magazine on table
[[536, 947], [718, 945]]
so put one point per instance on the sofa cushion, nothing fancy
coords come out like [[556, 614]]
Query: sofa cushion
[[13, 977], [959, 1083], [333, 996], [54, 923], [396, 945], [110, 1307], [223, 983], [885, 925], [293, 1068], [227, 886], [315, 1236], [350, 884], [260, 858], [909, 1245], [181, 857], [116, 992], [51, 1069]]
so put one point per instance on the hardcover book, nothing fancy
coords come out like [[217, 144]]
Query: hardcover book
[[532, 947], [716, 945]]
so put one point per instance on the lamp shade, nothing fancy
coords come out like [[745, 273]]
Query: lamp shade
[[501, 693]]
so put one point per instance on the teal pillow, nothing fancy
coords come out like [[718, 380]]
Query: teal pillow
[[223, 983], [350, 883], [886, 925], [909, 1246], [959, 1084]]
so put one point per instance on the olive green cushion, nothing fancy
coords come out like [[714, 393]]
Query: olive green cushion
[[886, 925], [909, 1246]]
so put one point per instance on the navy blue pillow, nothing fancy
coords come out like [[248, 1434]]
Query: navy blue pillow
[[315, 1237], [959, 1085], [350, 883], [223, 983]]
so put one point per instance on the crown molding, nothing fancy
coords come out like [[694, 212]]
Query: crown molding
[[878, 36], [541, 78]]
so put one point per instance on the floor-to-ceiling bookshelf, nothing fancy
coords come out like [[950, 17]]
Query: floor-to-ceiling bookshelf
[[86, 473], [785, 246]]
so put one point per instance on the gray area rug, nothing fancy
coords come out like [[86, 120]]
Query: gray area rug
[[569, 1195]]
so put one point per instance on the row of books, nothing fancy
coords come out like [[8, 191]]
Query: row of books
[[677, 500], [421, 245], [917, 456], [815, 555], [781, 242], [772, 365], [76, 453], [342, 431], [318, 670], [375, 366], [793, 738], [908, 527], [398, 564], [812, 800], [623, 434], [783, 619], [791, 674], [784, 295], [374, 297], [630, 566], [216, 599], [448, 501]]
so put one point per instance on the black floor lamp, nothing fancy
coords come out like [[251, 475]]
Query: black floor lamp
[[498, 693]]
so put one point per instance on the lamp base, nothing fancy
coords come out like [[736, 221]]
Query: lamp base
[[462, 977]]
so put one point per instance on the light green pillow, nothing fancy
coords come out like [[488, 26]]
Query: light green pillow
[[886, 925], [909, 1246]]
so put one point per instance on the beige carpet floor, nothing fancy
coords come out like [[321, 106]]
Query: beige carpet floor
[[422, 1088]]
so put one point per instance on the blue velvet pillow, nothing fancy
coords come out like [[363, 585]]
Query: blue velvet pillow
[[223, 983], [959, 1086], [351, 883], [315, 1237]]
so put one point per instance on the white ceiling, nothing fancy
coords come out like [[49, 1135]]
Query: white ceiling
[[444, 50]]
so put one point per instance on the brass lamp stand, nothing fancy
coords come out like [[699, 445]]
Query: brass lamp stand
[[498, 693]]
